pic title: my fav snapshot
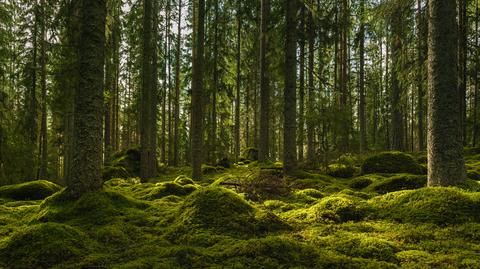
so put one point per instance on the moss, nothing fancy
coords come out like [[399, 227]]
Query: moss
[[308, 195], [339, 208], [360, 183], [207, 169], [469, 185], [225, 162], [398, 183], [277, 205], [391, 162], [93, 208], [427, 205], [44, 246], [473, 174], [341, 170], [183, 180], [168, 188], [249, 154], [110, 172], [33, 190]]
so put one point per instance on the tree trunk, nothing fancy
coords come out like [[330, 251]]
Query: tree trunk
[[264, 148], [445, 150], [43, 151], [420, 55], [290, 97], [237, 95], [361, 108], [301, 90], [475, 95], [311, 160], [86, 167], [462, 65], [176, 134], [197, 91]]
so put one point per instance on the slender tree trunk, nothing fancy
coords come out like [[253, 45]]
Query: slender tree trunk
[[462, 65], [475, 94], [344, 121], [301, 88], [264, 148], [311, 160], [237, 95], [213, 128], [398, 128], [290, 96], [43, 150], [176, 134], [33, 90], [86, 167], [420, 76], [197, 91], [445, 151], [361, 110]]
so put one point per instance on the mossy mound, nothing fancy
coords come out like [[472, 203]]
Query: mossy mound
[[398, 183], [360, 182], [391, 162], [341, 170], [169, 188], [183, 180], [123, 164], [339, 208], [32, 190], [92, 208], [44, 246], [438, 205]]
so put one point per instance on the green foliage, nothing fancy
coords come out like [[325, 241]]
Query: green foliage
[[44, 246], [398, 183], [249, 155], [183, 180], [441, 206], [391, 162], [32, 190], [123, 164]]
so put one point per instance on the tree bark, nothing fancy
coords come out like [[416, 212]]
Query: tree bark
[[264, 145], [362, 105], [176, 134], [445, 151], [311, 159], [238, 82], [43, 143]]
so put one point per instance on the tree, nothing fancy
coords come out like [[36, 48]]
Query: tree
[[445, 159], [86, 167], [263, 149], [238, 81], [43, 142], [176, 125], [290, 96], [196, 130], [361, 106]]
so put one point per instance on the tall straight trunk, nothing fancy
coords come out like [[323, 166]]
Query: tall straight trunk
[[301, 88], [420, 60], [43, 150], [290, 96], [361, 108], [86, 166], [197, 91], [169, 80], [213, 128], [445, 151], [154, 88], [462, 65], [343, 80], [176, 125], [397, 117], [311, 160], [237, 95], [164, 96], [33, 90], [148, 164], [107, 137], [264, 148], [475, 94]]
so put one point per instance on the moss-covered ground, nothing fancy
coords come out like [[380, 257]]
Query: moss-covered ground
[[250, 216]]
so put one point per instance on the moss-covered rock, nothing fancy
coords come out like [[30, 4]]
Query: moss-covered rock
[[438, 205], [339, 208], [391, 162], [168, 188], [341, 170], [44, 246], [398, 183], [32, 190]]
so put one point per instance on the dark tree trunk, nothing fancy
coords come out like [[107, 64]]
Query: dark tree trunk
[[361, 109], [237, 95], [421, 24], [290, 97], [462, 65], [86, 166], [197, 91], [264, 149], [43, 143], [445, 159], [311, 160], [301, 88], [176, 125], [475, 94]]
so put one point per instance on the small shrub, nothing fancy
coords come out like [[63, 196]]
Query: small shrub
[[391, 162], [32, 190]]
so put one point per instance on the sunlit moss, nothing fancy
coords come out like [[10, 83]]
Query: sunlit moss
[[32, 190]]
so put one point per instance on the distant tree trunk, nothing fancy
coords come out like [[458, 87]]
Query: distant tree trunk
[[148, 164], [43, 150], [477, 63], [86, 167], [445, 151], [344, 121], [197, 91], [176, 134], [311, 160], [462, 65], [420, 76], [301, 88], [290, 98], [213, 128], [33, 90], [237, 95], [107, 137], [361, 109], [169, 80], [264, 148]]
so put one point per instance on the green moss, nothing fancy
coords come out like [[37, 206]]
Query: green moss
[[249, 154], [469, 185], [44, 246], [431, 205], [207, 169], [339, 208], [391, 162], [341, 170], [398, 183], [183, 180], [93, 208], [473, 174], [32, 190], [277, 205], [168, 188], [360, 182]]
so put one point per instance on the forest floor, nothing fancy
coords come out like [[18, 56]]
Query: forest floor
[[362, 215]]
